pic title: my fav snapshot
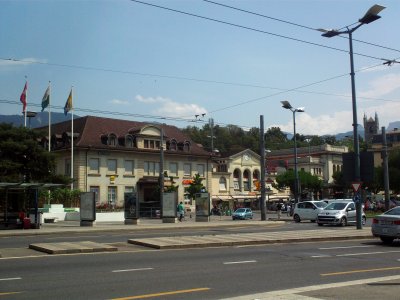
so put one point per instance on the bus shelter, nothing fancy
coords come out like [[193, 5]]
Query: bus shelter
[[18, 200]]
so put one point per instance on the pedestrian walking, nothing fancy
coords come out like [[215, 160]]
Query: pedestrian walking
[[181, 211], [278, 210]]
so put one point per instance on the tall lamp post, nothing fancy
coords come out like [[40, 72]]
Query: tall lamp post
[[286, 105], [370, 16]]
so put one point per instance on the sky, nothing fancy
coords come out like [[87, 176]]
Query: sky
[[182, 62]]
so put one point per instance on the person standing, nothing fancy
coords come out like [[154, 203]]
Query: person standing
[[181, 211], [278, 210]]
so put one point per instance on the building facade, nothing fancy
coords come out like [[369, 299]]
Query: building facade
[[236, 181], [112, 157]]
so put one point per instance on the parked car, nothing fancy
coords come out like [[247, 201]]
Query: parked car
[[387, 225], [242, 214], [307, 210], [340, 212]]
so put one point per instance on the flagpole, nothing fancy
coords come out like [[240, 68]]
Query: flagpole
[[49, 116], [72, 141], [26, 100]]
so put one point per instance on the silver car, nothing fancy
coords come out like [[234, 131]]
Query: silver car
[[341, 212], [307, 210], [387, 225]]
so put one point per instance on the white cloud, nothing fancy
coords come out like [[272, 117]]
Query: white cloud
[[320, 125], [382, 86], [169, 108], [119, 102], [150, 100]]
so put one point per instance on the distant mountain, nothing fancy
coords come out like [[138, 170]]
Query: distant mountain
[[393, 125], [41, 119]]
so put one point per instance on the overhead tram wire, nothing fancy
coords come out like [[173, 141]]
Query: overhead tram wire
[[296, 24], [303, 86], [253, 29]]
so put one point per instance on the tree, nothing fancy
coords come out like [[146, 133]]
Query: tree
[[195, 186], [307, 181], [394, 170], [21, 156]]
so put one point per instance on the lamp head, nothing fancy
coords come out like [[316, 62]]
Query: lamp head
[[372, 14], [301, 109], [286, 104]]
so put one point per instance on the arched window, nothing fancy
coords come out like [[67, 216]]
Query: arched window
[[129, 141], [236, 180], [186, 146], [173, 145], [222, 184], [112, 140], [256, 179], [246, 180]]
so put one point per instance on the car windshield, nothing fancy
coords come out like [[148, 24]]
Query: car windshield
[[240, 210], [394, 211], [335, 206], [320, 204]]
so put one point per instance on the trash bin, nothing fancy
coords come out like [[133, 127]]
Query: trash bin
[[26, 223]]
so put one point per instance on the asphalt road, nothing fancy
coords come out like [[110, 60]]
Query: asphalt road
[[211, 273], [116, 236]]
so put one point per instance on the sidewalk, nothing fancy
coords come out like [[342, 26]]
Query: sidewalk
[[144, 223]]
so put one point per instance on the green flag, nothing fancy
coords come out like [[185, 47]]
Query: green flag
[[46, 98]]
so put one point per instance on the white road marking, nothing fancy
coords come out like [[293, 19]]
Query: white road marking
[[320, 256], [131, 270], [293, 293], [348, 247], [367, 253], [239, 262], [12, 278]]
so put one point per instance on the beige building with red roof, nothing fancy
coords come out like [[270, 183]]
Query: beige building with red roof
[[113, 156]]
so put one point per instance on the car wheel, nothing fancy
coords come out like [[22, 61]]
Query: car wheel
[[320, 224], [387, 240], [364, 221], [312, 221], [343, 221], [296, 218]]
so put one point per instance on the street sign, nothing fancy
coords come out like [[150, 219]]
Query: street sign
[[356, 186]]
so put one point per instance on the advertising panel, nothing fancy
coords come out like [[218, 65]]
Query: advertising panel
[[202, 204], [131, 206], [88, 206], [169, 204]]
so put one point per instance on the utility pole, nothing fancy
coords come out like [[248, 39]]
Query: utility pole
[[262, 167], [385, 168]]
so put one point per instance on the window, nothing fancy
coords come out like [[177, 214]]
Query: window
[[96, 190], [173, 169], [151, 168], [67, 167], [129, 189], [151, 144], [222, 184], [129, 167], [173, 145], [187, 169], [94, 166], [112, 196], [129, 142], [200, 170], [246, 180], [112, 165], [186, 147], [112, 140], [236, 180]]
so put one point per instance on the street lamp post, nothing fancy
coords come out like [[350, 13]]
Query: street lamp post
[[370, 16], [286, 105]]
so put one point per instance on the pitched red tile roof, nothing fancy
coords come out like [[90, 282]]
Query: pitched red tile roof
[[91, 128]]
